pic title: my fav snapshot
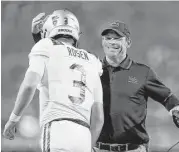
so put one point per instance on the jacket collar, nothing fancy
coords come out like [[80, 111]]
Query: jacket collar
[[125, 64]]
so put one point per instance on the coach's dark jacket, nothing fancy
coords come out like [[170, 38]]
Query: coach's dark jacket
[[126, 90]]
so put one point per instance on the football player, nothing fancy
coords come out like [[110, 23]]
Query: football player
[[68, 78]]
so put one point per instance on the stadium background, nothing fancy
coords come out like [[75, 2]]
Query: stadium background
[[155, 36]]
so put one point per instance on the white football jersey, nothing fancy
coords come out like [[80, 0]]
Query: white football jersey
[[70, 78]]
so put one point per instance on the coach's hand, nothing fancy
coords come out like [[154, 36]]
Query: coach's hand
[[37, 23], [10, 130], [175, 115]]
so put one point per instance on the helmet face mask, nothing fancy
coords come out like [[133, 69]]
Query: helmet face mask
[[61, 22]]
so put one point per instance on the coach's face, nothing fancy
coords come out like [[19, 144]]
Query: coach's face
[[113, 44]]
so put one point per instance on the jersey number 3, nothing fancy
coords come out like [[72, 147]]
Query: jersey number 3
[[80, 84]]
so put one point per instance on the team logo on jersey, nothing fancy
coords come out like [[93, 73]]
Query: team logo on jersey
[[132, 79]]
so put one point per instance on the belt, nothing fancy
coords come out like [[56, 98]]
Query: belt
[[78, 121], [117, 147]]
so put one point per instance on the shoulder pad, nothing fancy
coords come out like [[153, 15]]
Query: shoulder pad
[[41, 47]]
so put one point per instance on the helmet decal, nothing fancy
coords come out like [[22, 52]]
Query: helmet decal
[[65, 20]]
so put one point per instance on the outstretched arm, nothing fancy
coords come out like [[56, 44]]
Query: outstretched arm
[[162, 94], [26, 92], [25, 95]]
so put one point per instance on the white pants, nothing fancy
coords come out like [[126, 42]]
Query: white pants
[[65, 136]]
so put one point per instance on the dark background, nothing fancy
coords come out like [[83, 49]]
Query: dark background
[[155, 37]]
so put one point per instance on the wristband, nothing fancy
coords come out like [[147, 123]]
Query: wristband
[[14, 117]]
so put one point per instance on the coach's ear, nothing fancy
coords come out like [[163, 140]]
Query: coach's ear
[[129, 42]]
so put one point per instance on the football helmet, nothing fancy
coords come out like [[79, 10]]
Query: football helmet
[[61, 22]]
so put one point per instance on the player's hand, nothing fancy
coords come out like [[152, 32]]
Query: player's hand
[[175, 115], [10, 130], [37, 23]]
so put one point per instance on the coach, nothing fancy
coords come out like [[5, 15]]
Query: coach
[[127, 85]]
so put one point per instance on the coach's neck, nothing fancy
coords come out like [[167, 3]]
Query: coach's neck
[[115, 61]]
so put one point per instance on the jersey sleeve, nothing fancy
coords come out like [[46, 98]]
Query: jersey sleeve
[[99, 66], [37, 64], [39, 55], [98, 92], [96, 63]]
